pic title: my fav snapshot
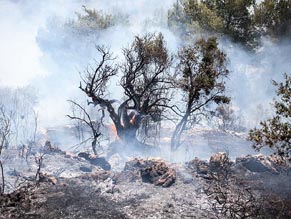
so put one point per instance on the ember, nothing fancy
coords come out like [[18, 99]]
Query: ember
[[113, 132]]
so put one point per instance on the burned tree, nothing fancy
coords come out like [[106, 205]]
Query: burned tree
[[200, 75], [143, 79], [86, 119], [5, 131], [229, 119]]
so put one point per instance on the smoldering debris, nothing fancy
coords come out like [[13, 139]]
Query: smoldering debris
[[55, 52], [128, 194], [154, 171], [97, 161], [64, 180]]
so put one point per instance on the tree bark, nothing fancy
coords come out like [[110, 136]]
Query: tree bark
[[128, 135], [3, 181], [94, 142], [180, 127]]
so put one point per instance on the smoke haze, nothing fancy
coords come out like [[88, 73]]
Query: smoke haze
[[38, 49]]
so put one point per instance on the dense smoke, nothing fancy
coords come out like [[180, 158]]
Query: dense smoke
[[250, 83], [49, 57], [39, 49]]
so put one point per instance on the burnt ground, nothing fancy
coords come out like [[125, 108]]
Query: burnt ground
[[72, 201], [117, 196], [87, 198], [111, 194]]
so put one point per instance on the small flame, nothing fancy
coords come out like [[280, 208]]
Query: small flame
[[166, 139], [132, 120], [113, 131]]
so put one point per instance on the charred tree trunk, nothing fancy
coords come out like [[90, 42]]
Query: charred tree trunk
[[96, 135], [180, 127], [94, 142], [144, 72], [129, 124], [3, 180], [128, 135]]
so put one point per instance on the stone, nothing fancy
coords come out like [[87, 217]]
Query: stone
[[219, 161], [261, 163], [152, 171], [97, 161], [200, 166], [44, 177], [86, 169]]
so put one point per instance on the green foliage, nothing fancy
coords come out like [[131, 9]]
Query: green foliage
[[273, 17], [276, 132], [203, 67], [200, 13], [193, 17], [200, 74], [92, 20], [72, 40], [236, 18], [95, 19], [216, 17], [243, 21]]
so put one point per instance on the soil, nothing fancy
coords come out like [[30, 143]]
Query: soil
[[125, 194]]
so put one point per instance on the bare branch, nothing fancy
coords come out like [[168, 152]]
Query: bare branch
[[93, 125]]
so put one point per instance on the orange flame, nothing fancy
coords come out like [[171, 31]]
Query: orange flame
[[132, 120], [113, 131]]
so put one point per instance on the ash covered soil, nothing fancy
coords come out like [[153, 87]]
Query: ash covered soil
[[72, 186], [106, 194], [89, 198]]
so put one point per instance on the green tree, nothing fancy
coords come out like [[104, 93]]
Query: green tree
[[232, 18], [200, 75], [192, 16], [236, 18], [276, 132], [92, 20], [273, 18]]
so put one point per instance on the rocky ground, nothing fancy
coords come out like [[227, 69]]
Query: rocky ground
[[72, 186]]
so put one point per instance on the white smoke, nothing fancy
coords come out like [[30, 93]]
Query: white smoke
[[34, 48], [250, 82], [38, 49]]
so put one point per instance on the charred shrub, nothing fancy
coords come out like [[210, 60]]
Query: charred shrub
[[228, 195]]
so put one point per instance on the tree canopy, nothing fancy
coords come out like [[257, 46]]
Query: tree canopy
[[200, 75], [219, 17], [143, 79], [91, 20], [273, 17], [243, 21], [148, 84], [276, 132]]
